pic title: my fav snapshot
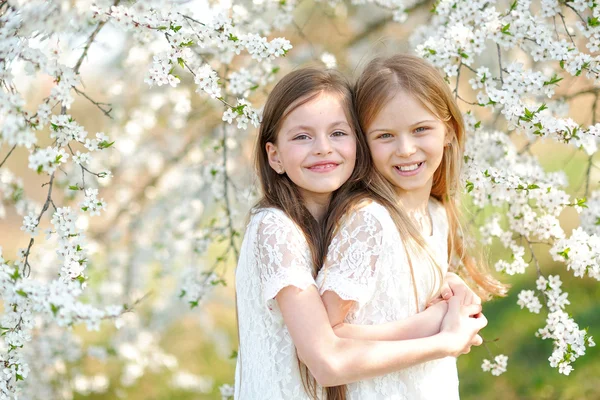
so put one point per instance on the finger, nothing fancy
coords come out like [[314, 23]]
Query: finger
[[446, 292], [471, 309], [481, 321], [453, 306]]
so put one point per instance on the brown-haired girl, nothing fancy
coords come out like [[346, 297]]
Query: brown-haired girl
[[307, 149], [388, 258]]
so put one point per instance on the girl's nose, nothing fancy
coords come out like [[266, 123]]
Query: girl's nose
[[322, 145], [406, 146]]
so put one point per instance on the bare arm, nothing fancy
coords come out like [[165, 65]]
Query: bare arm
[[423, 324], [336, 360]]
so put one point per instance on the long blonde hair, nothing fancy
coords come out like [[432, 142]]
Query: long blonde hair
[[380, 81]]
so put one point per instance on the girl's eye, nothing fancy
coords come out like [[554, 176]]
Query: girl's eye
[[339, 133], [421, 129], [301, 136], [384, 136]]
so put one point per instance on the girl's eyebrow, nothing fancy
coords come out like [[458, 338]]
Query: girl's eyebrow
[[311, 128], [425, 121]]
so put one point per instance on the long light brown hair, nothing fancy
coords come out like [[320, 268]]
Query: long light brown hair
[[380, 81], [293, 90]]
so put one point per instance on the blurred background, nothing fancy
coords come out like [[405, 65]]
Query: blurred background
[[165, 192]]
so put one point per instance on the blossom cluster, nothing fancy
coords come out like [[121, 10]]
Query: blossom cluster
[[496, 367]]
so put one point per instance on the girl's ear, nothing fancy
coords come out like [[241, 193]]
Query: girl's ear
[[273, 156], [449, 136]]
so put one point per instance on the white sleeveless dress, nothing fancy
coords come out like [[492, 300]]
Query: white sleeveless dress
[[366, 263], [274, 255]]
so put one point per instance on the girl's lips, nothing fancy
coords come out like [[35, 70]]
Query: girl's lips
[[410, 173], [321, 168]]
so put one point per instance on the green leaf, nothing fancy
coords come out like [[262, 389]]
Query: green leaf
[[54, 309], [193, 304], [162, 28], [85, 208], [21, 292], [470, 186], [592, 22], [81, 279], [477, 125], [105, 145], [187, 44], [176, 28], [562, 64], [74, 187], [183, 292], [218, 282], [180, 62], [565, 253], [233, 355], [233, 38], [513, 6], [505, 29], [553, 81], [532, 186]]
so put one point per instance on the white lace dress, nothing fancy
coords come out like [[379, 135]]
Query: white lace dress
[[366, 262], [274, 255]]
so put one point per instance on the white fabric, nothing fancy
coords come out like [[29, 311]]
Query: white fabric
[[367, 263], [274, 255]]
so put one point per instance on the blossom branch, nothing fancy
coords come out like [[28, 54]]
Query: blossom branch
[[97, 104], [8, 155]]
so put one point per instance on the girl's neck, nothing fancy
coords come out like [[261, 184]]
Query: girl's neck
[[416, 205], [317, 204], [415, 201]]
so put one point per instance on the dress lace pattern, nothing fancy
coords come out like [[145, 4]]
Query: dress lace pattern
[[366, 263], [274, 255]]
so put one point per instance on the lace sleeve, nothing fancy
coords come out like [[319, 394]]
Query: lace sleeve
[[352, 258], [284, 255]]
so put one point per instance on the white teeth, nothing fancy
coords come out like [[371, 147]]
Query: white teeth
[[406, 168]]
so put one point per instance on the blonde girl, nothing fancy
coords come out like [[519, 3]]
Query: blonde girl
[[388, 258], [307, 150]]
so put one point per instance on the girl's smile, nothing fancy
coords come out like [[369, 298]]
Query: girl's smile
[[409, 169]]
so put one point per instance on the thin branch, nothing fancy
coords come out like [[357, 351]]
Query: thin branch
[[576, 12], [500, 62], [232, 231], [592, 90], [90, 41], [466, 101], [588, 176], [26, 265], [378, 25], [562, 17], [8, 155], [97, 104]]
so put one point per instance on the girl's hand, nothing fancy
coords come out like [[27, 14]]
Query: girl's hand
[[454, 286], [461, 325]]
